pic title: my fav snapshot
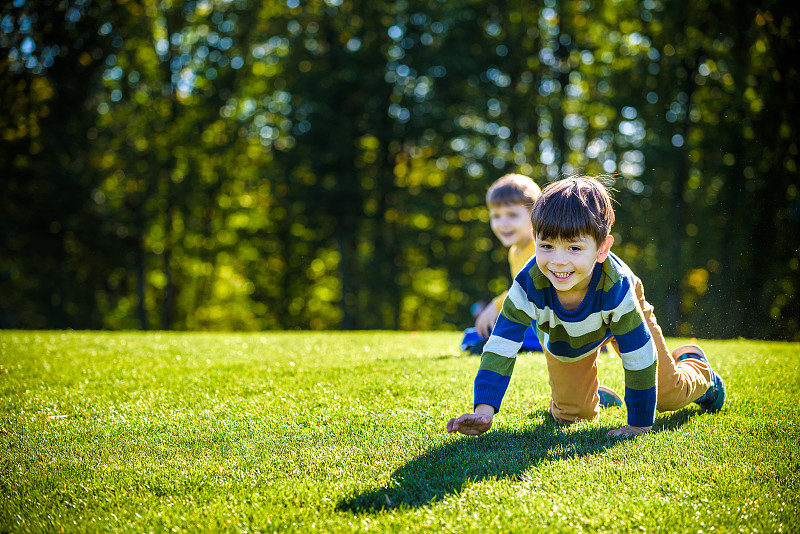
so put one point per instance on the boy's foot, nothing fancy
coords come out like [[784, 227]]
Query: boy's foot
[[713, 399], [608, 397]]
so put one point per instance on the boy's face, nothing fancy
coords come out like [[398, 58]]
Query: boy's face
[[569, 264], [511, 223]]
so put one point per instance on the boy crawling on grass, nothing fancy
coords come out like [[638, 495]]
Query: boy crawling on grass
[[580, 295]]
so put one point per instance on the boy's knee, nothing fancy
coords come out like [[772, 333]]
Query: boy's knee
[[670, 402], [670, 405], [573, 414]]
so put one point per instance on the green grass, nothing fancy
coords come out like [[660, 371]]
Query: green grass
[[344, 432]]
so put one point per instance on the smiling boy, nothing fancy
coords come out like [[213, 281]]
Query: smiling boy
[[510, 200], [580, 295]]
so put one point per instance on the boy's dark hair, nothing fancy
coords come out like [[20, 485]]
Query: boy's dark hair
[[573, 207], [513, 189]]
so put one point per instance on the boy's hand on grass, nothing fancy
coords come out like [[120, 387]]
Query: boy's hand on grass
[[485, 320], [473, 424], [470, 424], [629, 431]]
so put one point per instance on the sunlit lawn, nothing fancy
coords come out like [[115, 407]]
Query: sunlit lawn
[[344, 432]]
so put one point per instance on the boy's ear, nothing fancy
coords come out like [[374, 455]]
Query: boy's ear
[[605, 248]]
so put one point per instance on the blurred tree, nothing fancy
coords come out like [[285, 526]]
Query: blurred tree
[[53, 257], [724, 201], [286, 164]]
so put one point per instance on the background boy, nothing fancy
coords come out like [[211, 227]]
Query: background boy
[[509, 199], [579, 295]]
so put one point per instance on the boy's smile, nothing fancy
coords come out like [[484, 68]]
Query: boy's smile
[[511, 223], [569, 265]]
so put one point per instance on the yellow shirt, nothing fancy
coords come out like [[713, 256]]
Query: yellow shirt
[[517, 258]]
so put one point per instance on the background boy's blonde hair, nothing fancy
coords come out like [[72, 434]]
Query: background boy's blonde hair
[[513, 189]]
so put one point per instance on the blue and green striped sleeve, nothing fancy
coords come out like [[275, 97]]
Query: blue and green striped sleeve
[[498, 359], [638, 353]]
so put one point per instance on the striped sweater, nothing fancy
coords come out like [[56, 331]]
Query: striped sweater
[[610, 308]]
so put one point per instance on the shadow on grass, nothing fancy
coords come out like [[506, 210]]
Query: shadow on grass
[[444, 470]]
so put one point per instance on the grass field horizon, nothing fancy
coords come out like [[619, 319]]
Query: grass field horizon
[[344, 432]]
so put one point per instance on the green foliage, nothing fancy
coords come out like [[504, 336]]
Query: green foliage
[[279, 165], [344, 432]]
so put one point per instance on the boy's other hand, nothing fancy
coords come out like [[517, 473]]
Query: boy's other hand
[[629, 431], [485, 320], [470, 424]]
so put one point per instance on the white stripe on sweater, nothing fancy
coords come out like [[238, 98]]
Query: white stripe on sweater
[[502, 346]]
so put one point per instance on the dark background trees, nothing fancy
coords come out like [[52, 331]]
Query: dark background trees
[[285, 164]]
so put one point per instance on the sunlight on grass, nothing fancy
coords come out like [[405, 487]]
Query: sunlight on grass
[[344, 432]]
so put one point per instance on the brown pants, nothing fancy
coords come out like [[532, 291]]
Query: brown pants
[[574, 384]]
